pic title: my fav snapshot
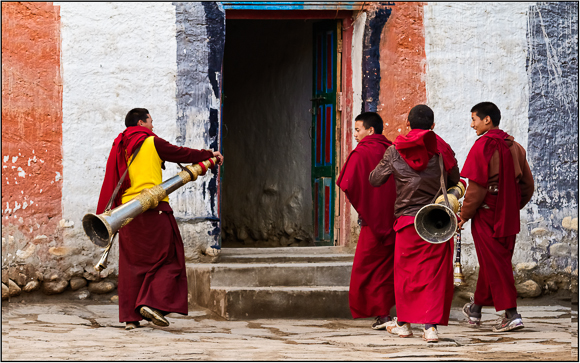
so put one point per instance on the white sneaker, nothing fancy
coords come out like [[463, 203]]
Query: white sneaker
[[381, 324], [403, 331], [391, 323], [430, 335]]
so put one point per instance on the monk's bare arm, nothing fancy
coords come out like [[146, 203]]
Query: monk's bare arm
[[381, 173], [474, 197]]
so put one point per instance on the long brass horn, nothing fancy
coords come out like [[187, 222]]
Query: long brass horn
[[102, 227], [437, 223]]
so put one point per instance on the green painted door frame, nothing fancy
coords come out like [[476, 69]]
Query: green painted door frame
[[325, 88]]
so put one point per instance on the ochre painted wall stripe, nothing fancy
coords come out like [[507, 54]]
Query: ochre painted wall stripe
[[31, 118], [402, 60]]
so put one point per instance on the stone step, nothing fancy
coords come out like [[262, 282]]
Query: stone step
[[279, 282], [281, 302], [284, 255], [324, 250], [278, 274]]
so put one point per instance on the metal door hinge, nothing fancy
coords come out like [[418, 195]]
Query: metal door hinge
[[339, 101]]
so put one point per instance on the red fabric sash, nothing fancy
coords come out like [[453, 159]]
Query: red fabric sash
[[507, 213], [122, 149], [448, 155], [417, 148], [374, 205]]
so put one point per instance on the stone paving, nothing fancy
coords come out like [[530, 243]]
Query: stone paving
[[67, 330]]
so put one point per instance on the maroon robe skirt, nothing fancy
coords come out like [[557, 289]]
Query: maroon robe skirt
[[423, 276], [151, 265], [371, 291], [495, 282]]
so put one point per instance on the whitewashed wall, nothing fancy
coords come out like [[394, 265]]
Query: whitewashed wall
[[115, 57], [356, 63], [477, 52]]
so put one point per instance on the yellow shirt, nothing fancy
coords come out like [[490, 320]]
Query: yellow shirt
[[145, 171]]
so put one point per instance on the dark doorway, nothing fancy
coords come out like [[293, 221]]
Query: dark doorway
[[267, 87]]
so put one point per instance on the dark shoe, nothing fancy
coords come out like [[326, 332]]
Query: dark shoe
[[381, 324], [472, 317], [153, 315], [513, 323]]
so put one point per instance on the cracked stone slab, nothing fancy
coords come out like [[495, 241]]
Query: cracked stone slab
[[190, 314], [252, 332], [27, 338], [224, 324], [26, 309], [297, 329], [104, 310], [542, 314], [311, 342], [62, 319], [386, 341], [543, 308], [419, 354]]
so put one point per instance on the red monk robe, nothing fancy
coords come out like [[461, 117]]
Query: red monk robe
[[500, 184], [371, 291], [151, 255], [423, 271]]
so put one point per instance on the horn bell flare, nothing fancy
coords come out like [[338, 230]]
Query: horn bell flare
[[435, 223], [97, 229]]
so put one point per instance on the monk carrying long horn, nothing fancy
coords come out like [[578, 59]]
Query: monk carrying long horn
[[152, 275]]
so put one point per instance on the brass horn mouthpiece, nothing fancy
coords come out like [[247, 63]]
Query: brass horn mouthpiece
[[458, 278], [102, 264]]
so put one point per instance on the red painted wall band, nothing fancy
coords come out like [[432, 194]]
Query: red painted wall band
[[31, 118]]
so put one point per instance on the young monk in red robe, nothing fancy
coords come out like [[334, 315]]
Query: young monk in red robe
[[152, 276], [423, 271], [500, 184], [371, 291]]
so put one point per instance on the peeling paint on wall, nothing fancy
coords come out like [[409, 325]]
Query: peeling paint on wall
[[552, 65], [115, 57], [357, 101], [200, 43], [402, 61], [72, 71], [357, 57], [31, 119], [469, 61], [371, 68]]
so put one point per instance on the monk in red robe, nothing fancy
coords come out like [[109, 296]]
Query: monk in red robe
[[500, 184], [423, 271], [371, 291], [152, 276]]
